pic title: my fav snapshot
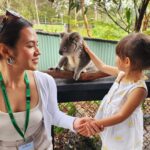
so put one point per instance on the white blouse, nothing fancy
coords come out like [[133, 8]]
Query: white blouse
[[48, 94], [49, 110]]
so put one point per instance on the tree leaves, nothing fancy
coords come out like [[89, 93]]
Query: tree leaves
[[128, 15], [75, 5]]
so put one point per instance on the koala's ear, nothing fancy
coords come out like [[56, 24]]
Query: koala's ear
[[62, 34], [75, 36]]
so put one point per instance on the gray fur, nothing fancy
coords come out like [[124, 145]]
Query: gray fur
[[74, 58]]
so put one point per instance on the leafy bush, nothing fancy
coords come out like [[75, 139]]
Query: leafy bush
[[68, 108], [98, 29], [107, 31]]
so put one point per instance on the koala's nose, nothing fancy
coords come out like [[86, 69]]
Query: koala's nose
[[60, 52]]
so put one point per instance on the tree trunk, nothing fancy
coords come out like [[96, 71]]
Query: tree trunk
[[141, 11], [75, 18], [145, 22], [8, 3], [68, 27], [36, 10], [85, 19], [95, 12]]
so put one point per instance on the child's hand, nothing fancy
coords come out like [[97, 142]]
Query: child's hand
[[89, 128], [86, 48], [94, 127]]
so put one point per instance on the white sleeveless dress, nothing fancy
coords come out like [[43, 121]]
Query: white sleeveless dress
[[35, 131], [127, 135]]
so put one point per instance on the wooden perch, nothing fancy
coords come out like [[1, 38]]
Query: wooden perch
[[85, 76]]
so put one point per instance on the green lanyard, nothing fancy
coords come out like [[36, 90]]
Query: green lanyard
[[9, 109]]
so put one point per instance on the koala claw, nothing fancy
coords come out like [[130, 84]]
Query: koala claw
[[57, 68], [76, 76]]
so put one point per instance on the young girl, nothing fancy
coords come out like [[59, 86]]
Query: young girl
[[120, 111]]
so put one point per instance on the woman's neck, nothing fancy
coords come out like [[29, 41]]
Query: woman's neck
[[13, 78]]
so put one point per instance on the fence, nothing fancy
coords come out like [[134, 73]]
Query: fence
[[49, 46]]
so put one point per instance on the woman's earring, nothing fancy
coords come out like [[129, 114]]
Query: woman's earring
[[10, 61]]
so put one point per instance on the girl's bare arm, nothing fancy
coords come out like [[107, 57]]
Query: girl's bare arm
[[100, 64], [134, 100]]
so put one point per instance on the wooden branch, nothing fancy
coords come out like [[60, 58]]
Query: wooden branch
[[85, 76]]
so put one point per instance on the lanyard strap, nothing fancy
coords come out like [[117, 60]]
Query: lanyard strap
[[9, 109]]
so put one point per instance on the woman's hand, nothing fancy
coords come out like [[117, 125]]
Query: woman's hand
[[91, 126], [80, 121], [87, 126]]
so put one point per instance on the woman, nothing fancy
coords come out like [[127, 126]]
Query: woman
[[28, 98]]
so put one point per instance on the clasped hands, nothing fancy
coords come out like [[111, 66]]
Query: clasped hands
[[87, 126]]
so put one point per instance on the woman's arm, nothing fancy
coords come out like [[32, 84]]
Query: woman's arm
[[59, 118], [52, 115], [100, 64]]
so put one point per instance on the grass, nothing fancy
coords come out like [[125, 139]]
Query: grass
[[49, 28]]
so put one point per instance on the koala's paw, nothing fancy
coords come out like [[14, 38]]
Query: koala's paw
[[76, 76], [58, 68], [51, 68]]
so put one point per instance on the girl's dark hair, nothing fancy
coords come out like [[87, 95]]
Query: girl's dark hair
[[136, 46], [11, 31]]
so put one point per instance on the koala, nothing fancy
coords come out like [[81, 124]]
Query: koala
[[74, 57]]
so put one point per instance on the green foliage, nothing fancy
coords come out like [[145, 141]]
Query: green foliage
[[75, 5], [107, 31], [86, 9], [129, 18], [68, 108], [50, 28], [99, 30], [128, 14], [71, 109], [58, 130], [123, 13], [147, 31]]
